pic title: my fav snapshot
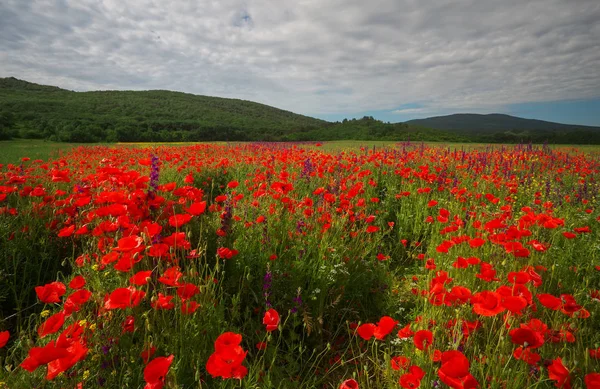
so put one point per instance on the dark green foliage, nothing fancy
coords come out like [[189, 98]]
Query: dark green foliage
[[7, 122], [127, 116], [369, 128], [498, 128]]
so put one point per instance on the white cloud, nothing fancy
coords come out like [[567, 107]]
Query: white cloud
[[312, 56], [410, 111]]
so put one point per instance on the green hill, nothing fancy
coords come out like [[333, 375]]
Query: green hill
[[505, 128], [49, 112]]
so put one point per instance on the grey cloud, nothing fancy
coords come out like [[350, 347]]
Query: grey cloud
[[313, 56]]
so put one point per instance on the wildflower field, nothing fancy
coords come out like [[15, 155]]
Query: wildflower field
[[301, 266]]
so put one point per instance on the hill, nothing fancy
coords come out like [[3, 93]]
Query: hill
[[157, 115], [29, 110], [506, 128]]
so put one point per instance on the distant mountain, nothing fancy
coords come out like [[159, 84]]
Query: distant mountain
[[495, 122]]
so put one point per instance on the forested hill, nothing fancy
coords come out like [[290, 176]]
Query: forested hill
[[48, 112], [493, 122], [506, 128]]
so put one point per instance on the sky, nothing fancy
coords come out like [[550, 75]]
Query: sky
[[394, 60]]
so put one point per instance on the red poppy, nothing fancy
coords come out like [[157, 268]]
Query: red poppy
[[466, 382], [454, 364], [171, 276], [405, 332], [67, 231], [168, 187], [526, 355], [52, 324], [77, 282], [51, 293], [129, 324], [122, 298], [527, 337], [39, 356], [227, 341], [179, 220], [581, 230], [155, 372], [592, 381], [476, 242], [189, 307], [129, 243], [487, 303], [559, 373], [140, 278], [399, 362], [371, 229], [74, 302], [4, 336], [550, 301], [460, 263], [197, 208], [226, 361], [423, 339], [220, 366], [226, 253], [384, 327], [158, 250], [460, 294], [514, 304], [59, 355], [366, 330], [430, 264], [570, 307], [76, 352], [412, 379], [486, 272], [220, 198], [271, 320], [163, 302], [349, 384], [518, 277], [187, 291]]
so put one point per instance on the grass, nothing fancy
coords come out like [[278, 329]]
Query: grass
[[11, 151]]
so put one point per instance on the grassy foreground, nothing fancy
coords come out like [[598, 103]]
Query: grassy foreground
[[292, 266]]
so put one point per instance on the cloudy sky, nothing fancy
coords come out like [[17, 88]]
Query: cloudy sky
[[393, 59]]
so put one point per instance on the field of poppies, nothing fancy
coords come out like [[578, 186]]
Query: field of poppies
[[301, 266]]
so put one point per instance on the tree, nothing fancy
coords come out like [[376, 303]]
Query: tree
[[7, 123]]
